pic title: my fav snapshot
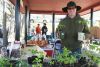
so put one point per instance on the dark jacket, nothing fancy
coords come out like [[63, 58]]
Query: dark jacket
[[69, 29], [1, 33], [44, 30]]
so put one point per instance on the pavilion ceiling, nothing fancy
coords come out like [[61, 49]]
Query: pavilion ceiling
[[55, 6]]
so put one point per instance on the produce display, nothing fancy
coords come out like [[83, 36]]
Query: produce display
[[37, 42]]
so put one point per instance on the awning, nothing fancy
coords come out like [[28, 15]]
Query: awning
[[55, 6]]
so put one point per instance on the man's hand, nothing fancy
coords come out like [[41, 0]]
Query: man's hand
[[88, 36]]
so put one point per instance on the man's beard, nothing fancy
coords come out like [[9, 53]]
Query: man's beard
[[72, 16]]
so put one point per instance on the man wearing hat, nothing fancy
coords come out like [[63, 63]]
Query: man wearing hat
[[44, 30], [70, 26]]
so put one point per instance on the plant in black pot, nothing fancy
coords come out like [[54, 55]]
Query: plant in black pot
[[37, 62], [22, 63], [94, 59], [51, 63], [37, 59], [65, 59], [4, 62], [83, 61]]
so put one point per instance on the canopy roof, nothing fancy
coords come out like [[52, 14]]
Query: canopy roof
[[55, 6]]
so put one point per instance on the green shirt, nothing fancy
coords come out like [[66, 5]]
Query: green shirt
[[70, 28]]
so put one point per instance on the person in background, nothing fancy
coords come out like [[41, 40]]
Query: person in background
[[33, 34], [38, 31], [44, 30], [70, 26], [1, 36]]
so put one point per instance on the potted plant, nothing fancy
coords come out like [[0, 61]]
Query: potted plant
[[65, 58], [36, 62], [94, 60], [52, 63], [4, 62], [37, 59], [22, 63]]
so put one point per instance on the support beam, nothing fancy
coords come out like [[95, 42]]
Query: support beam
[[26, 24], [17, 20], [91, 17], [5, 33], [53, 25]]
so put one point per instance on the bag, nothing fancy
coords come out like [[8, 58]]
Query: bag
[[45, 30]]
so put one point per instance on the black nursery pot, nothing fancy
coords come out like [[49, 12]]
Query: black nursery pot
[[30, 59], [68, 65], [46, 64], [57, 64], [14, 62], [94, 65], [77, 65]]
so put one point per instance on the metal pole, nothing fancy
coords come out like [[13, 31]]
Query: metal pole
[[17, 20], [91, 17], [5, 38], [53, 25], [26, 24]]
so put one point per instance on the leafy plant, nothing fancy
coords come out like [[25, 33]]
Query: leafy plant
[[98, 49], [38, 64], [38, 59], [51, 62], [5, 62], [83, 22], [35, 65], [34, 51], [94, 59], [60, 27], [40, 54], [93, 47], [96, 43], [22, 63], [65, 57]]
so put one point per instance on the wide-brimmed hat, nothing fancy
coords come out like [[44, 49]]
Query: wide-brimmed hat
[[71, 4]]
